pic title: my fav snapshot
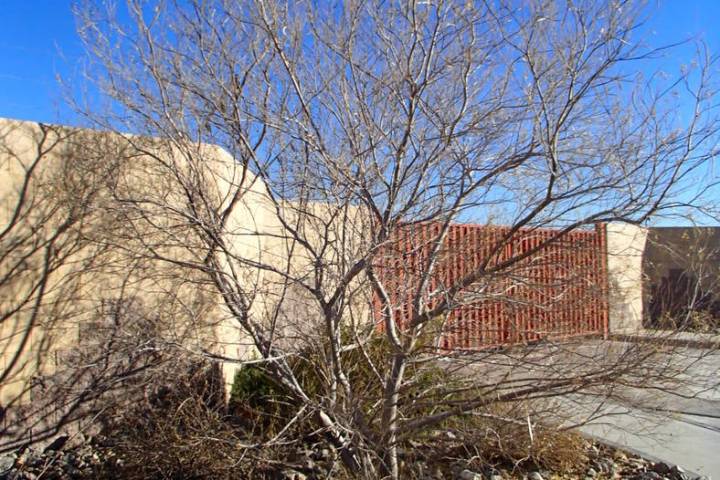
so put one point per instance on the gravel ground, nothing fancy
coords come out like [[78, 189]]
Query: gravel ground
[[87, 460]]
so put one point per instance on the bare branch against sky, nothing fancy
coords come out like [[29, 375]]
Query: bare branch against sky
[[349, 124]]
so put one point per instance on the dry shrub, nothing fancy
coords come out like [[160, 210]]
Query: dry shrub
[[502, 436], [179, 431], [499, 437], [184, 431], [697, 321]]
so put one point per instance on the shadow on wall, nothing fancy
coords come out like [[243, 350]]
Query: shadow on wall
[[681, 267]]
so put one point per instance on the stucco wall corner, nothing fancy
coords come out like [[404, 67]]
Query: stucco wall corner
[[625, 244]]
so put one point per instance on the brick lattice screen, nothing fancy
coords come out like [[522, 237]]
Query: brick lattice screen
[[558, 291]]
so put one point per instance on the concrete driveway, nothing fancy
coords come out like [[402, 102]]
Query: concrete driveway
[[691, 441], [681, 428], [677, 423]]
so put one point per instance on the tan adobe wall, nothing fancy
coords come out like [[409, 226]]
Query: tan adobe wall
[[135, 244], [625, 245], [64, 161], [681, 268], [647, 268], [131, 244]]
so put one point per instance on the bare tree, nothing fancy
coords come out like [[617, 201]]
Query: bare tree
[[351, 123]]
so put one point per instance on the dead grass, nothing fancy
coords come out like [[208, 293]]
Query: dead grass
[[499, 438]]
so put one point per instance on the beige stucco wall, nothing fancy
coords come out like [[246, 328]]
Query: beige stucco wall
[[641, 259], [625, 244], [192, 312], [136, 244], [681, 268], [24, 147]]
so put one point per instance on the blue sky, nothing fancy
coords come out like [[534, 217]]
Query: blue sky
[[38, 42]]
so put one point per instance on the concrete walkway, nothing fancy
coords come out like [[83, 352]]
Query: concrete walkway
[[679, 429], [691, 441], [677, 423]]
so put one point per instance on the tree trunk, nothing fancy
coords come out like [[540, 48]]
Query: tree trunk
[[390, 467]]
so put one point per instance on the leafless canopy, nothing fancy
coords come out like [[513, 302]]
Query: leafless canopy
[[352, 120]]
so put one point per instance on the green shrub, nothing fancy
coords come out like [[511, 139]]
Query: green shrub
[[257, 403], [253, 386]]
